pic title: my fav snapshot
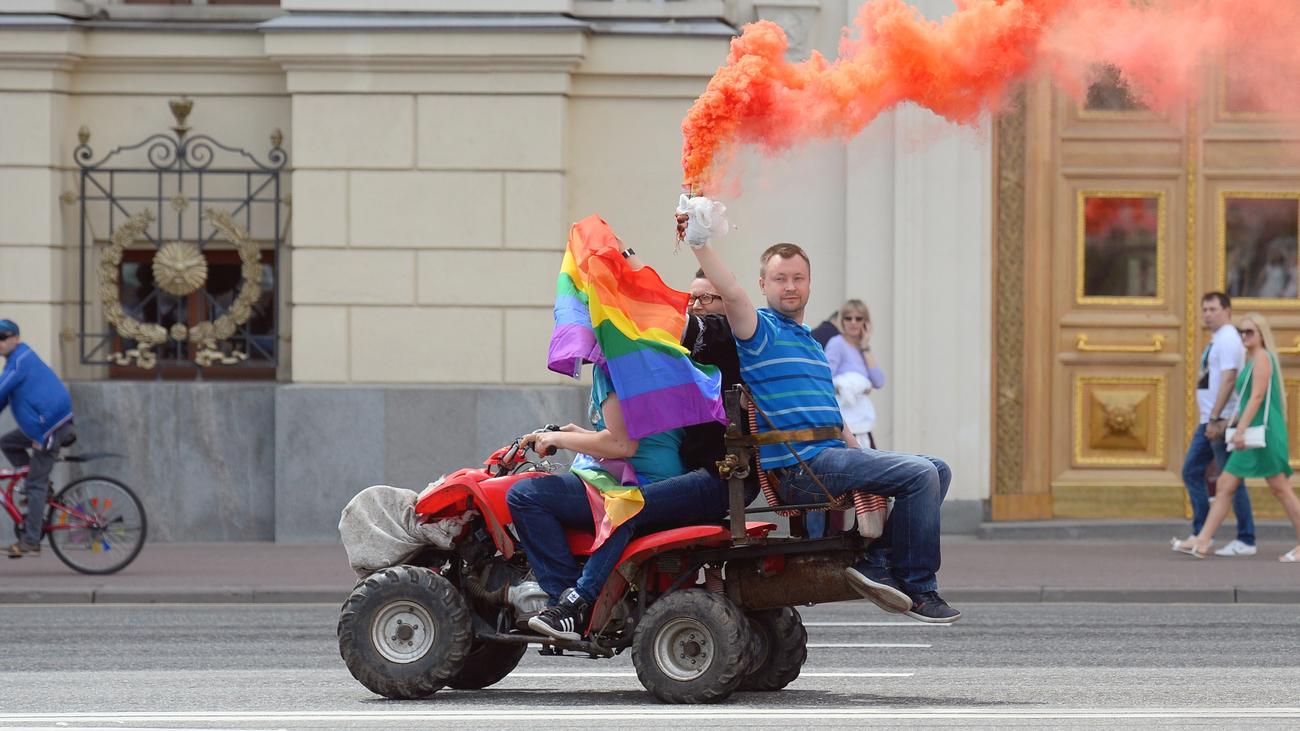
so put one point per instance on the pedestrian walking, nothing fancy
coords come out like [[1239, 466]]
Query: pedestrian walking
[[1220, 365], [1258, 439]]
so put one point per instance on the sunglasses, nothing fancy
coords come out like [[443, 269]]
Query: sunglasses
[[5, 336], [853, 318], [1244, 333], [707, 298]]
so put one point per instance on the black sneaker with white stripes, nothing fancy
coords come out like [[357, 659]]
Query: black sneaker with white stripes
[[563, 621]]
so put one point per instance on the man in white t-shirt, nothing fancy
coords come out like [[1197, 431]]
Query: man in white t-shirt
[[1219, 364]]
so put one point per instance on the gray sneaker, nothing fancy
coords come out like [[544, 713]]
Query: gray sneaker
[[878, 586], [930, 607], [23, 548]]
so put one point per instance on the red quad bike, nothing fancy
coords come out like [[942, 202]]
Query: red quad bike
[[706, 610]]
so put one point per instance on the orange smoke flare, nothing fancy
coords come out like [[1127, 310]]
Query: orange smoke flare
[[967, 64]]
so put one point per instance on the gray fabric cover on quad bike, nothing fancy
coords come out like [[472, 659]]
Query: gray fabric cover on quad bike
[[379, 529]]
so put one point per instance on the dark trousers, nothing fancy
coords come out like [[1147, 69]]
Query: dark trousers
[[15, 446], [543, 507]]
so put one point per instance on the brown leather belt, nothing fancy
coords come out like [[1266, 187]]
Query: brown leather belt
[[814, 434]]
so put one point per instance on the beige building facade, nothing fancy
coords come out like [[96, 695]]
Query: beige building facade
[[436, 153]]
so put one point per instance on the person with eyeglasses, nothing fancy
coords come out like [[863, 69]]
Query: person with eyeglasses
[[43, 409], [1261, 399], [855, 370], [704, 301], [789, 378]]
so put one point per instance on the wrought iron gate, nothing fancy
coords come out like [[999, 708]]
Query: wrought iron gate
[[181, 235]]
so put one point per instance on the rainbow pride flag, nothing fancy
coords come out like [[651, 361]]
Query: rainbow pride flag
[[631, 322], [628, 322]]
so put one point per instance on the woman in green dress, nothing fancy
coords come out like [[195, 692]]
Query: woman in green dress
[[1262, 401]]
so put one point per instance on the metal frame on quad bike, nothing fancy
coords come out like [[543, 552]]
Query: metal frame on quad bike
[[705, 609]]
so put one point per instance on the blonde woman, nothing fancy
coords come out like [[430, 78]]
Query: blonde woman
[[855, 370], [1262, 402]]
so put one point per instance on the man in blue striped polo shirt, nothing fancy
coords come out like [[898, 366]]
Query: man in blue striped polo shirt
[[790, 378]]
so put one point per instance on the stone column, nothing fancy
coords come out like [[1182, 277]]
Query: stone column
[[429, 171], [919, 228], [36, 57]]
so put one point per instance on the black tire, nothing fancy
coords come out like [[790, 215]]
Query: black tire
[[782, 644], [385, 638], [112, 537], [487, 664], [691, 647]]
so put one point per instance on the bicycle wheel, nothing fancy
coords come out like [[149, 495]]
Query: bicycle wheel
[[96, 525]]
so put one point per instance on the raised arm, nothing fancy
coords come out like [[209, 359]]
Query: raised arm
[[740, 311]]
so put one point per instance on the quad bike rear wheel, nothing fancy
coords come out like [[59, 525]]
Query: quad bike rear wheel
[[781, 649], [691, 647], [404, 631]]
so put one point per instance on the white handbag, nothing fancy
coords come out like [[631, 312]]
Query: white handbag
[[1254, 434]]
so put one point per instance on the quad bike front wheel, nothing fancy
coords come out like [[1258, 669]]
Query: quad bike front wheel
[[691, 647], [780, 649], [404, 631]]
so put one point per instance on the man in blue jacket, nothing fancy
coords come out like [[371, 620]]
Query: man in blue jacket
[[43, 410]]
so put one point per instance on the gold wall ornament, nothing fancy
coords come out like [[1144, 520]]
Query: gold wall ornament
[[1292, 349], [179, 268], [1082, 345], [146, 335], [181, 109], [206, 334], [177, 263], [1119, 421]]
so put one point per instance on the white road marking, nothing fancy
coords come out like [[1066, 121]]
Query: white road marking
[[917, 625], [729, 713], [616, 674], [819, 645]]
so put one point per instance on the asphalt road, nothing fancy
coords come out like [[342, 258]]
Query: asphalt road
[[277, 666]]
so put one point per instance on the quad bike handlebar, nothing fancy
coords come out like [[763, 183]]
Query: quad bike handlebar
[[511, 455]]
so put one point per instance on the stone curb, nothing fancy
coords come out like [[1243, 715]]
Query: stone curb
[[972, 595]]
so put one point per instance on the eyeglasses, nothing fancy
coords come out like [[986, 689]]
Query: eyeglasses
[[5, 336], [707, 298], [853, 318], [1245, 332]]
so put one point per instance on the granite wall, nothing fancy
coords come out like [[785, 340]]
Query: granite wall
[[332, 441], [262, 462]]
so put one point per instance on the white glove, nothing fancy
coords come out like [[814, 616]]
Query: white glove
[[707, 219]]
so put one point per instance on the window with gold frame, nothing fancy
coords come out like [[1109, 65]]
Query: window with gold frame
[[1259, 247], [1109, 94], [1120, 247]]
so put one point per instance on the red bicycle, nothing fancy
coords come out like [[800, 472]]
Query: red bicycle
[[96, 524]]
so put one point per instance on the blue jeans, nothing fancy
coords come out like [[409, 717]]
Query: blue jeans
[[543, 507], [1199, 454], [918, 486]]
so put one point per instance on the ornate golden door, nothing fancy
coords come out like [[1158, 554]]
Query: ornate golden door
[[1113, 220]]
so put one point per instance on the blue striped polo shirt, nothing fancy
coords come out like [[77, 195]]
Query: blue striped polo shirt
[[787, 371]]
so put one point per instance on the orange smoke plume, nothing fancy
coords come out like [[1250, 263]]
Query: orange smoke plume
[[967, 64]]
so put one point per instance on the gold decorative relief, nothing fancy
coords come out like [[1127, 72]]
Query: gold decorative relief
[[1010, 276], [179, 268], [1258, 247], [1120, 247], [1119, 421]]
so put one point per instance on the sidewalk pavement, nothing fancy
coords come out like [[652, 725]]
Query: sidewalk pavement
[[974, 570]]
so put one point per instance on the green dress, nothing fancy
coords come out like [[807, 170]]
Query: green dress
[[1274, 457]]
